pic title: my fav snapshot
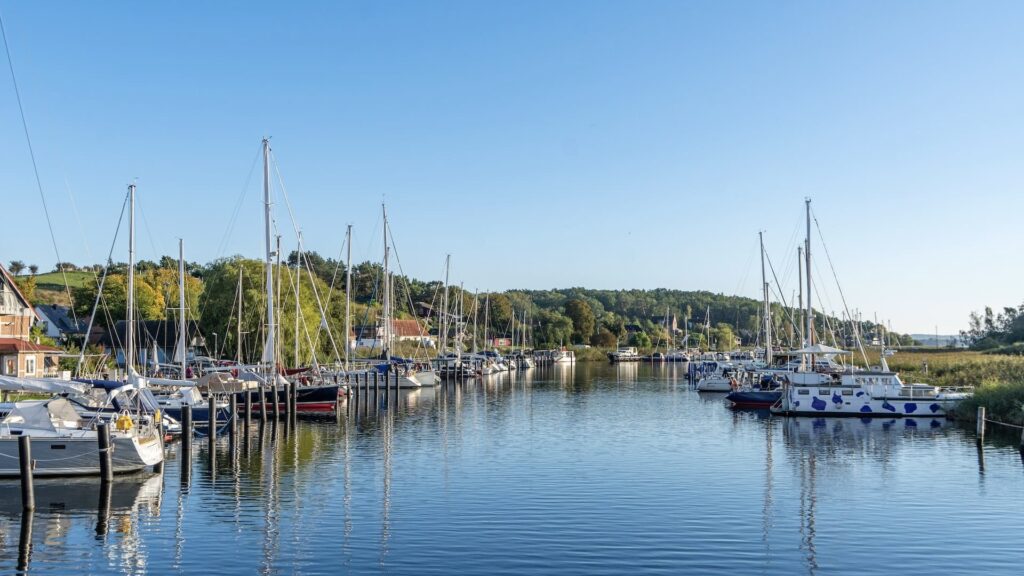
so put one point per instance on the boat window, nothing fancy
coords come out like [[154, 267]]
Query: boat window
[[803, 391], [847, 392], [57, 447], [824, 392]]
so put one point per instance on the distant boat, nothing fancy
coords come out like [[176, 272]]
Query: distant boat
[[626, 354]]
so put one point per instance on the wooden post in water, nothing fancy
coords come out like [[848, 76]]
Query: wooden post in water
[[287, 400], [376, 386], [211, 420], [248, 409], [263, 403], [233, 405], [106, 460], [981, 424], [28, 491], [277, 407], [186, 431], [25, 541], [103, 509]]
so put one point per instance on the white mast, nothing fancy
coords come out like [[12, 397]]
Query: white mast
[[298, 270], [238, 328], [487, 308], [129, 354], [445, 317], [269, 347], [767, 316], [348, 294], [181, 315], [807, 257], [800, 285], [386, 312]]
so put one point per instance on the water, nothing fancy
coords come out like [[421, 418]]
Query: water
[[591, 470]]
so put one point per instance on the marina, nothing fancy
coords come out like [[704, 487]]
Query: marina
[[487, 477]]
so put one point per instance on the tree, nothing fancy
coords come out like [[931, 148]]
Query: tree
[[65, 267], [582, 316], [33, 269], [604, 338], [27, 287], [16, 267]]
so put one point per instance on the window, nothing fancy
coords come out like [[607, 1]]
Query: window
[[803, 391], [847, 392], [824, 392], [30, 365], [10, 366]]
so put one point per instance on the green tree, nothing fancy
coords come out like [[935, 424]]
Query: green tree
[[582, 316], [16, 267], [604, 338]]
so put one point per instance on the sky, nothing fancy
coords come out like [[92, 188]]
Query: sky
[[543, 144]]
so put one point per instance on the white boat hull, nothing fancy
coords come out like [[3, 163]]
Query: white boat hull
[[714, 384], [79, 455]]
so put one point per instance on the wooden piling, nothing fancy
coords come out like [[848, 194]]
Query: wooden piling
[[232, 420], [186, 431], [263, 404], [211, 421], [981, 424], [25, 541], [288, 400], [273, 390], [103, 508], [376, 386], [248, 408], [28, 491], [105, 452]]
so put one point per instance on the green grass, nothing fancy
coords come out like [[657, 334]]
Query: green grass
[[54, 280]]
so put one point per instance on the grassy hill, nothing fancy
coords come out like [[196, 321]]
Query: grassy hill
[[55, 280]]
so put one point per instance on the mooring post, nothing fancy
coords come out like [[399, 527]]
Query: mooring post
[[263, 404], [287, 400], [232, 420], [294, 399], [211, 420], [25, 541], [981, 423], [106, 460], [103, 509], [376, 385], [248, 408], [277, 407], [186, 431], [28, 491]]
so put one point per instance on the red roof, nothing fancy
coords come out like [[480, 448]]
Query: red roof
[[9, 345], [406, 328]]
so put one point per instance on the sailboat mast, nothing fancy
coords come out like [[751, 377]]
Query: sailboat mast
[[807, 260], [348, 294], [800, 285], [387, 290], [766, 317], [181, 301], [129, 355], [238, 328], [445, 317], [298, 269], [269, 347]]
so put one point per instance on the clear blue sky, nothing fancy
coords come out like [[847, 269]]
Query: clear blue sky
[[542, 144]]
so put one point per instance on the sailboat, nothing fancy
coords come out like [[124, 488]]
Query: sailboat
[[64, 443]]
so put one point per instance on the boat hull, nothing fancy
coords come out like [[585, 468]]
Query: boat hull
[[754, 398], [79, 456]]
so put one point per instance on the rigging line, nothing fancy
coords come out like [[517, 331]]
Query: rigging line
[[35, 166], [842, 296]]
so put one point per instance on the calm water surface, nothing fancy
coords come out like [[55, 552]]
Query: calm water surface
[[591, 470]]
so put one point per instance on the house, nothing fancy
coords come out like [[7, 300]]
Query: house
[[19, 355], [59, 323], [401, 330]]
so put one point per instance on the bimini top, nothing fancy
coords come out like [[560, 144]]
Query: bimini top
[[816, 349], [43, 415]]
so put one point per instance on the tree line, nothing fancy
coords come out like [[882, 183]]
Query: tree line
[[548, 318]]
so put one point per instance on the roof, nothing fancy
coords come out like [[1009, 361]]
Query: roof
[[407, 328], [61, 318], [18, 345], [9, 280]]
